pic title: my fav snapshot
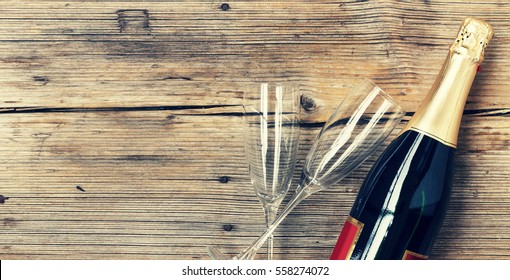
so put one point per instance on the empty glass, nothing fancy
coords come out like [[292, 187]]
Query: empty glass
[[355, 130], [271, 132]]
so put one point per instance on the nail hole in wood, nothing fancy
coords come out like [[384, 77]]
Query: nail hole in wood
[[224, 7], [224, 179]]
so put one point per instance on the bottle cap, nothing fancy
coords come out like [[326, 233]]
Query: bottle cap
[[474, 36]]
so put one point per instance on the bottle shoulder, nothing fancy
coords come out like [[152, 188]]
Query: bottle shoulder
[[413, 163]]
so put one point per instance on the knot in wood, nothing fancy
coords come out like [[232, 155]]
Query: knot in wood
[[308, 103]]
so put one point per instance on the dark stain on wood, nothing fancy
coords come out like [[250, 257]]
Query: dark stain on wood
[[3, 199], [41, 79], [80, 188], [24, 62], [134, 21], [475, 193], [9, 222], [67, 30], [129, 48], [224, 179], [122, 22]]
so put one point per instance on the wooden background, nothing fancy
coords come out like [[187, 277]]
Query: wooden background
[[120, 129]]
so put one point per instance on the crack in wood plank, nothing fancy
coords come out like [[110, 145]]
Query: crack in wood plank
[[28, 110]]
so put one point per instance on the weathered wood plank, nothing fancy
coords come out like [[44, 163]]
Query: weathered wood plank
[[121, 129]]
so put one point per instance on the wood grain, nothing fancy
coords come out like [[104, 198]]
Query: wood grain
[[121, 131]]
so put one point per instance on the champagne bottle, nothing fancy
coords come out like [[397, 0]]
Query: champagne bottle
[[402, 203]]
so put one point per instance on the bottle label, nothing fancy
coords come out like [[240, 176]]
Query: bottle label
[[347, 240], [409, 255]]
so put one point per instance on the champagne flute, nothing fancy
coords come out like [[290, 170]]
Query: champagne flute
[[356, 129], [271, 133]]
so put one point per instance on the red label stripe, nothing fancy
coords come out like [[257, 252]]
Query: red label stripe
[[409, 255], [347, 240]]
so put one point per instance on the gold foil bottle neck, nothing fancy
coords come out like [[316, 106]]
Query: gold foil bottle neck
[[440, 114], [474, 36]]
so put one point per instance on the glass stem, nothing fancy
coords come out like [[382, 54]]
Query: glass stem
[[250, 252], [270, 212]]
